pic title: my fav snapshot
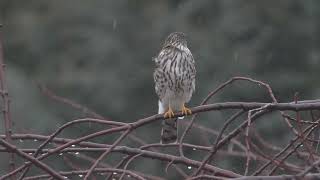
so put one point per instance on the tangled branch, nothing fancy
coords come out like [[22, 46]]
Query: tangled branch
[[299, 158]]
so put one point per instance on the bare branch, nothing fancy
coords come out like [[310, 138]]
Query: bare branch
[[5, 103], [239, 140], [31, 159]]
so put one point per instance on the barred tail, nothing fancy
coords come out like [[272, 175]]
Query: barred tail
[[169, 131]]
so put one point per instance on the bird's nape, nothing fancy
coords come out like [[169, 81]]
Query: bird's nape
[[176, 38]]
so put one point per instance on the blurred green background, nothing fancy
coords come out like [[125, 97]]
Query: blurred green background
[[99, 54]]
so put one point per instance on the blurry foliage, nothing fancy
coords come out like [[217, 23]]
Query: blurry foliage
[[98, 53]]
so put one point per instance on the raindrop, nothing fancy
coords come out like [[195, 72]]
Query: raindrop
[[65, 177], [30, 153], [235, 56], [60, 154], [189, 167], [114, 173], [35, 140], [73, 145], [301, 145], [20, 140], [114, 24], [128, 176], [194, 149], [80, 175], [76, 153]]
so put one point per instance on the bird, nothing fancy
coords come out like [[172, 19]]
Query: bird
[[174, 78]]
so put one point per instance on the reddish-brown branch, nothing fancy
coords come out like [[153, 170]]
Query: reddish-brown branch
[[280, 177], [153, 151], [52, 95], [222, 86], [282, 152], [295, 148], [210, 131], [74, 142], [228, 138], [151, 146], [146, 154], [59, 130], [36, 162], [306, 171], [301, 135], [38, 137], [247, 137], [283, 164], [46, 91], [134, 151], [210, 95], [215, 146], [104, 132], [5, 103], [205, 176], [97, 170], [127, 164], [204, 108], [108, 151]]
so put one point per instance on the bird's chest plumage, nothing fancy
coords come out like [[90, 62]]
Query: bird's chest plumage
[[179, 84], [176, 74], [174, 77]]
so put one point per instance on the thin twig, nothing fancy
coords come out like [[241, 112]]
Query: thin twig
[[60, 129], [247, 137], [5, 104], [98, 170], [281, 152], [294, 149], [36, 162], [127, 164], [107, 152], [227, 139], [50, 94], [215, 147]]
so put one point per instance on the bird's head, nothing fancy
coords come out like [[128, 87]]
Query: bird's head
[[176, 39]]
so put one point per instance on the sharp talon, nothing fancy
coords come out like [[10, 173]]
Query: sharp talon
[[186, 111], [169, 113]]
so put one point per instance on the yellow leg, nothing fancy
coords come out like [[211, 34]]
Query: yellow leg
[[169, 113], [186, 111]]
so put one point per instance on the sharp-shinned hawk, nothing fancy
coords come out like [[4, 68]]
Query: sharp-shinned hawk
[[174, 79]]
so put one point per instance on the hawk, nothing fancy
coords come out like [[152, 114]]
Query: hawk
[[174, 78]]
